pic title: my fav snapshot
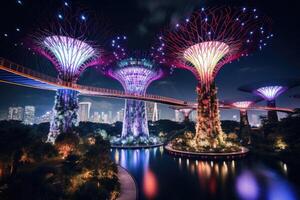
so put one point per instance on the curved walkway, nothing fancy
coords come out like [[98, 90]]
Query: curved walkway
[[128, 186]]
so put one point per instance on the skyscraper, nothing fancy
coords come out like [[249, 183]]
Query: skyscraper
[[84, 111], [96, 117], [15, 113], [177, 116], [152, 111], [29, 115]]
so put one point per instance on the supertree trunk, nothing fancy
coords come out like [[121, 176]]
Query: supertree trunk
[[208, 125], [135, 119], [65, 115], [272, 114]]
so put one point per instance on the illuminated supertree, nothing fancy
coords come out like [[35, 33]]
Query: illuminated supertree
[[244, 121], [269, 90], [243, 106], [270, 93], [66, 46], [203, 44], [185, 111], [135, 73]]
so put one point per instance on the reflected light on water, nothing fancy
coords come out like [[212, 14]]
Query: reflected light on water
[[249, 183], [150, 186], [247, 186]]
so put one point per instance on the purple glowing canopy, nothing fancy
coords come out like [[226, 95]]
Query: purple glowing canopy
[[135, 75], [70, 56], [270, 92]]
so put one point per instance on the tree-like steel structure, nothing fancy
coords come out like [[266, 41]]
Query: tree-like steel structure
[[135, 75], [135, 71], [270, 93], [203, 44], [65, 44]]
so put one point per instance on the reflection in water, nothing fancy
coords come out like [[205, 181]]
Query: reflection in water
[[138, 159], [150, 184], [248, 186], [161, 176]]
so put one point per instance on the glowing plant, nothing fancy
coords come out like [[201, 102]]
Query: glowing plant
[[203, 43]]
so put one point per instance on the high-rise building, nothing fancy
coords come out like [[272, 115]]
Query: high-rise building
[[29, 115], [110, 118], [152, 111], [46, 117], [177, 116], [120, 115], [84, 111], [96, 117], [15, 113], [105, 118]]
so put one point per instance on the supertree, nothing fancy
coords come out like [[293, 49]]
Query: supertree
[[203, 44], [270, 93], [185, 111], [269, 90], [243, 106], [65, 44], [135, 71]]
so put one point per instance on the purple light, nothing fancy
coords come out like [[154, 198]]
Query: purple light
[[70, 56], [270, 92], [247, 186], [135, 75]]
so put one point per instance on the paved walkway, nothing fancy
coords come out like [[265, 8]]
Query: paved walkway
[[128, 186]]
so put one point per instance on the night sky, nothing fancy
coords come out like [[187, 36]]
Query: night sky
[[141, 21]]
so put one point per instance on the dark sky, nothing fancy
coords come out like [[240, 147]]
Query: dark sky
[[141, 20]]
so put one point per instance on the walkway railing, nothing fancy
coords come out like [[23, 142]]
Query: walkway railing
[[84, 90]]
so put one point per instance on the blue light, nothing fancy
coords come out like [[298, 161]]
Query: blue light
[[206, 19], [244, 9], [20, 2], [187, 19], [5, 35], [254, 10], [124, 37], [202, 9], [60, 16], [17, 29], [177, 25], [83, 17], [66, 3]]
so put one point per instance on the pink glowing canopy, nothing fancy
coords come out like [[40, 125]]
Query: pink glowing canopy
[[242, 104], [135, 75], [210, 38], [270, 92], [69, 55]]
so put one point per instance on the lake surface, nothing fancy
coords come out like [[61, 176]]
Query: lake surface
[[162, 176]]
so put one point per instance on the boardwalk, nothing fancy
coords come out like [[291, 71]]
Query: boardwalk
[[128, 186]]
